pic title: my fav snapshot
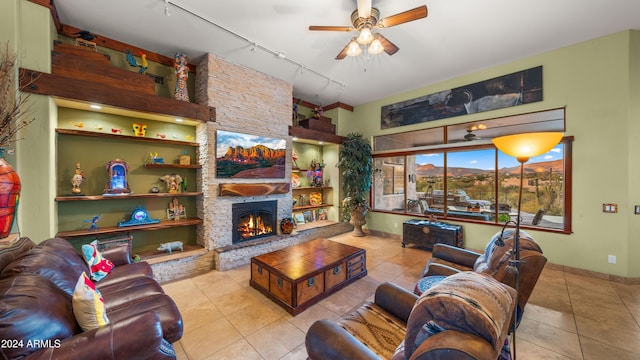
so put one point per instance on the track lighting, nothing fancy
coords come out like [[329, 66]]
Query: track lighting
[[253, 44], [167, 12]]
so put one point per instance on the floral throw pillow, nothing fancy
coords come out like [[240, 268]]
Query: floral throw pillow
[[88, 305], [99, 267]]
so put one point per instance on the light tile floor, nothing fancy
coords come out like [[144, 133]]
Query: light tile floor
[[568, 316]]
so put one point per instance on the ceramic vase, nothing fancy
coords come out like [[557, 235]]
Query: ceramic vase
[[9, 195]]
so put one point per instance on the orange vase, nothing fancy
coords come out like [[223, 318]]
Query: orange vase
[[9, 195]]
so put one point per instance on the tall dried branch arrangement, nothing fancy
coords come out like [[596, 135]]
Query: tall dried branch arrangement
[[14, 105]]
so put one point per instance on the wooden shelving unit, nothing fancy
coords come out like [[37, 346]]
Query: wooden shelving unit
[[115, 229], [122, 197], [173, 166], [124, 137], [307, 207]]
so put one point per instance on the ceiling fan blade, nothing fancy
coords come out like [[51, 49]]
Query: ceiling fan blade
[[331, 28], [389, 47], [343, 53], [364, 8], [403, 17]]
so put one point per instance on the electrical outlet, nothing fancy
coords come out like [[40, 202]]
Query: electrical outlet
[[612, 259]]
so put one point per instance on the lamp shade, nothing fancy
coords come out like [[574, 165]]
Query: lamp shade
[[376, 47], [365, 36], [524, 146], [354, 49]]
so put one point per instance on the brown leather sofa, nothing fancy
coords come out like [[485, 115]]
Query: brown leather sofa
[[447, 260], [37, 283], [465, 316]]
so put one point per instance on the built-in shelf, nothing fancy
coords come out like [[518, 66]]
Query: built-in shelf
[[115, 229], [155, 256], [312, 187], [307, 207], [124, 137], [173, 166], [120, 197]]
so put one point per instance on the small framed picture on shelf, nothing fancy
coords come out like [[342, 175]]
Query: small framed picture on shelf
[[298, 218], [307, 216], [322, 214]]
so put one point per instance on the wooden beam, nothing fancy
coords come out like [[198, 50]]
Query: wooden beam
[[325, 108], [70, 31], [54, 85], [304, 133], [338, 105], [254, 189]]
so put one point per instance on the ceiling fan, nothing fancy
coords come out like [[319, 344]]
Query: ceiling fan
[[365, 19], [470, 135]]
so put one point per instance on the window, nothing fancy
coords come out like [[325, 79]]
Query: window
[[474, 181]]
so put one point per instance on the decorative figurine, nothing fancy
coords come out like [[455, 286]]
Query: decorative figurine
[[136, 258], [170, 246], [314, 174], [155, 159], [94, 223], [286, 226], [84, 38], [139, 216], [161, 136], [294, 158], [117, 184], [176, 210], [173, 182], [116, 131], [182, 73], [155, 190], [139, 129], [143, 65], [76, 180], [318, 112], [184, 159]]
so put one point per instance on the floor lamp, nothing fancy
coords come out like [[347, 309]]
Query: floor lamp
[[523, 147]]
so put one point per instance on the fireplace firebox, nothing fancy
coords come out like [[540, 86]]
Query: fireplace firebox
[[253, 220]]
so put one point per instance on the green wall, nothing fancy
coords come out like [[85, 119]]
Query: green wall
[[597, 81], [29, 29]]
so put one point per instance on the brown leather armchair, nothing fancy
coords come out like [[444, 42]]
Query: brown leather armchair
[[465, 316], [447, 260], [36, 307]]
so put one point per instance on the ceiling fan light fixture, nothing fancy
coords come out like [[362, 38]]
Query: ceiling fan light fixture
[[354, 49], [376, 47], [365, 37]]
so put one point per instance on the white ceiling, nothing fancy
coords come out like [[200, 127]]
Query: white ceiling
[[457, 37]]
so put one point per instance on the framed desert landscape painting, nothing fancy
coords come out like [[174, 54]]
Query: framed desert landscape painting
[[249, 156]]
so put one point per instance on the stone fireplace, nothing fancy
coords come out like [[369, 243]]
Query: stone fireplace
[[253, 220], [249, 102]]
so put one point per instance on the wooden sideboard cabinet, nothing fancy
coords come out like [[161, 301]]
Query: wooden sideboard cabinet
[[426, 233]]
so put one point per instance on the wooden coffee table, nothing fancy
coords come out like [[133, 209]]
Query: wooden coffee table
[[301, 275]]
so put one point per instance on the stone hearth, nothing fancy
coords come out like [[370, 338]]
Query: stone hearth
[[249, 102]]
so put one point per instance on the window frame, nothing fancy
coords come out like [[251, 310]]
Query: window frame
[[446, 147]]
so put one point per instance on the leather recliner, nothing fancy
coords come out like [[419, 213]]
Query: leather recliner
[[465, 316], [36, 289], [447, 260]]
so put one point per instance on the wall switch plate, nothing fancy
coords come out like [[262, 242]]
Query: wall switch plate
[[611, 259], [610, 208], [636, 209]]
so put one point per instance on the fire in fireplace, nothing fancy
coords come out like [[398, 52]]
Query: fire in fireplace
[[253, 220]]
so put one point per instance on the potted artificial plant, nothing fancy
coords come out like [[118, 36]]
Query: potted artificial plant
[[356, 167]]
